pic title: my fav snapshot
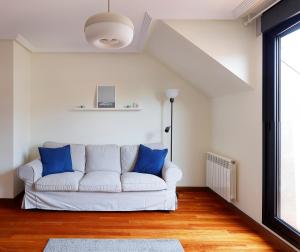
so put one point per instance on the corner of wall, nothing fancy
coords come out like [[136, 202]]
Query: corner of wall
[[21, 110]]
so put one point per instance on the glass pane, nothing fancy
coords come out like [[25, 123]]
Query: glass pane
[[289, 194]]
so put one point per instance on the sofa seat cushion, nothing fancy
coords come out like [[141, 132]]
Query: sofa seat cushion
[[133, 182], [67, 181], [100, 181]]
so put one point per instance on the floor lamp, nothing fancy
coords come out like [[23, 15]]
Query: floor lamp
[[171, 94]]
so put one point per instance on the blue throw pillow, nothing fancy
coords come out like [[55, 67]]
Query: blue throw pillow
[[56, 160], [150, 161]]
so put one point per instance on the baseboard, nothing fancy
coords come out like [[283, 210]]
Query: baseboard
[[192, 189], [257, 227]]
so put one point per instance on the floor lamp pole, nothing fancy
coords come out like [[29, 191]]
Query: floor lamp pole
[[171, 94], [171, 101]]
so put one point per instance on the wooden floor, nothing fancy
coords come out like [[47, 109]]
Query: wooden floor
[[203, 222]]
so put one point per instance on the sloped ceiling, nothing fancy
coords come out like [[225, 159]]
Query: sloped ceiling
[[192, 63], [230, 43]]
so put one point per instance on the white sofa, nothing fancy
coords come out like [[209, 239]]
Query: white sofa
[[102, 181]]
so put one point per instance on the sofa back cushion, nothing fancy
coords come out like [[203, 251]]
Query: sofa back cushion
[[77, 154], [103, 158], [129, 155]]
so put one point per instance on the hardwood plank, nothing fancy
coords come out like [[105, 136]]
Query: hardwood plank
[[202, 222]]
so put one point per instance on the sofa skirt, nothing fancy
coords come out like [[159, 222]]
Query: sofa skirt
[[99, 201]]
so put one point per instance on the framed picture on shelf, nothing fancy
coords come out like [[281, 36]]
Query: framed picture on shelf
[[106, 96]]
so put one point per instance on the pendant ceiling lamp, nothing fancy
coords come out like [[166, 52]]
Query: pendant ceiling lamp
[[109, 30]]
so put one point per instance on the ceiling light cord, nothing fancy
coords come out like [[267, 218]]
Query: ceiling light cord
[[108, 6]]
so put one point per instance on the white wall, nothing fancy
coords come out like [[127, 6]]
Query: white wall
[[62, 81], [14, 114], [6, 119], [21, 114], [237, 133]]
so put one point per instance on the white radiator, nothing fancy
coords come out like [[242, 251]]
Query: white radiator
[[221, 176]]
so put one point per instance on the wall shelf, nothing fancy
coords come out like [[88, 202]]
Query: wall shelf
[[106, 109]]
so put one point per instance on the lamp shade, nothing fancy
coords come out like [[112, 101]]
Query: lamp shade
[[109, 31], [172, 93]]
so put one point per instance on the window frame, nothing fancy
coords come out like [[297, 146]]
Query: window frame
[[271, 129]]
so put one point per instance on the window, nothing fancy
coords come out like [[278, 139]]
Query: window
[[281, 132]]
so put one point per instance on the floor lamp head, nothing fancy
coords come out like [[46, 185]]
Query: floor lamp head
[[172, 94]]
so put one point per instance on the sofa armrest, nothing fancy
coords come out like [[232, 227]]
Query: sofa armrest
[[171, 174], [31, 172]]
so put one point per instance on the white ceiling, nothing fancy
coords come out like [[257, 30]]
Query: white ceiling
[[57, 25]]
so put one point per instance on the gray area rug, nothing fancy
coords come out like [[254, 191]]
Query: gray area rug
[[113, 245]]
